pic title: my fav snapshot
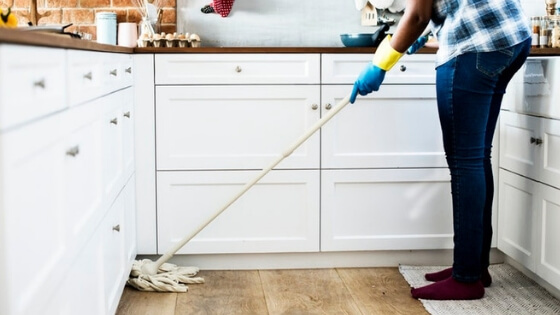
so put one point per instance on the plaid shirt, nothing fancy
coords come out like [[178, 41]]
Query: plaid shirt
[[463, 26]]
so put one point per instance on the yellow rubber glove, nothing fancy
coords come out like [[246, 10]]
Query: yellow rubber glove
[[8, 19], [385, 56], [372, 76]]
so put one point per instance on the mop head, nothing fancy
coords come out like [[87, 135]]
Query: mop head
[[170, 277]]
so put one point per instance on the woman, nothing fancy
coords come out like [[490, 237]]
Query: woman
[[482, 43]]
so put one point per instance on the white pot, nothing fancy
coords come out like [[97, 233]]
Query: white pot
[[381, 4]]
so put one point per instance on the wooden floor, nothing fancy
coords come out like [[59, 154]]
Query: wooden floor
[[311, 291]]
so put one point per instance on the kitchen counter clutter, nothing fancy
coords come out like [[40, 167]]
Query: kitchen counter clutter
[[67, 220]]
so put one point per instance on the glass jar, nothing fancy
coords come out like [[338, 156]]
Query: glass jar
[[536, 30], [544, 33], [555, 33]]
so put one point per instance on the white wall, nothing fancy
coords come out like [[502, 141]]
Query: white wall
[[283, 23]]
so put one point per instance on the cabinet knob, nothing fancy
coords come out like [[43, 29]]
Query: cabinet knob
[[128, 70], [314, 107], [73, 151], [403, 68], [113, 72], [88, 76], [117, 228], [114, 121], [126, 114], [328, 106], [536, 141], [238, 69], [40, 83]]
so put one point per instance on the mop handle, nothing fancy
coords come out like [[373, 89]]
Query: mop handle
[[250, 184]]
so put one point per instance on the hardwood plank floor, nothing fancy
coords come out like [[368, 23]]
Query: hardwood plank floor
[[301, 291]]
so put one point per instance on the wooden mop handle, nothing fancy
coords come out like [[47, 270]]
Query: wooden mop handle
[[250, 184]]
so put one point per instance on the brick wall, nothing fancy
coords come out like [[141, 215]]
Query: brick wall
[[82, 12]]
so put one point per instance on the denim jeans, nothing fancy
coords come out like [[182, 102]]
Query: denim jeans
[[470, 89]]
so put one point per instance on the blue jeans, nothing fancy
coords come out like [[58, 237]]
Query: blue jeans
[[470, 89]]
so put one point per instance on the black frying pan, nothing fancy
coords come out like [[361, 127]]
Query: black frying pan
[[365, 39]]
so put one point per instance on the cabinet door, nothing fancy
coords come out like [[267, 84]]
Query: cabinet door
[[550, 169], [548, 263], [517, 220], [112, 139], [386, 210], [234, 127], [518, 135], [32, 221], [127, 118], [278, 214], [395, 127]]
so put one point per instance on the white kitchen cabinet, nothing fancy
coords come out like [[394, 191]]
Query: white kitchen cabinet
[[34, 79], [61, 186], [517, 220], [382, 129], [385, 209], [529, 187], [220, 117], [278, 214], [530, 146], [234, 127]]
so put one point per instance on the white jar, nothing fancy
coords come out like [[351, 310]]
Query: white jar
[[106, 23]]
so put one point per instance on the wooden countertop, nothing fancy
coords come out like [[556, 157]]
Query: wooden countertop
[[64, 41]]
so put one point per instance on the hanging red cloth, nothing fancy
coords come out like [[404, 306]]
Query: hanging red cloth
[[222, 7]]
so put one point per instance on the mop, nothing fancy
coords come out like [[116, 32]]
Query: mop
[[161, 276]]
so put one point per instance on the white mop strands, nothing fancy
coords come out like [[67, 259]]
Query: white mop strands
[[169, 278]]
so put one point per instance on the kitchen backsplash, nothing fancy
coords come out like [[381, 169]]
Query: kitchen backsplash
[[250, 23], [283, 23], [82, 12]]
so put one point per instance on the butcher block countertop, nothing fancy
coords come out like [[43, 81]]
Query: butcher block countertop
[[64, 41]]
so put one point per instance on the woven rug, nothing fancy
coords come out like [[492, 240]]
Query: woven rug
[[511, 292]]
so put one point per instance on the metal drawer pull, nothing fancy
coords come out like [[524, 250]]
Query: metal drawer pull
[[536, 141], [314, 106], [113, 72], [73, 151], [238, 69], [403, 68], [114, 121], [88, 76], [127, 114], [328, 106], [117, 228], [40, 83], [128, 70]]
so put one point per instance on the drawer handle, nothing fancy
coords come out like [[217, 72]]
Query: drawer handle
[[328, 106], [536, 141], [40, 83], [114, 121], [113, 72], [403, 68], [127, 114], [88, 76], [73, 151], [238, 69], [128, 70], [117, 228], [314, 106]]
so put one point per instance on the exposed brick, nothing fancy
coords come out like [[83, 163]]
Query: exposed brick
[[65, 4], [55, 17], [169, 16], [168, 28], [78, 16], [134, 15], [95, 3]]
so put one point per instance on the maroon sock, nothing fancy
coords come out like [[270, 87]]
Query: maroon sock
[[450, 289], [446, 273]]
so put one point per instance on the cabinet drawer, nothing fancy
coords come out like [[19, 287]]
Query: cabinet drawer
[[381, 130], [235, 127], [237, 69], [385, 209], [278, 214], [345, 68], [32, 83]]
